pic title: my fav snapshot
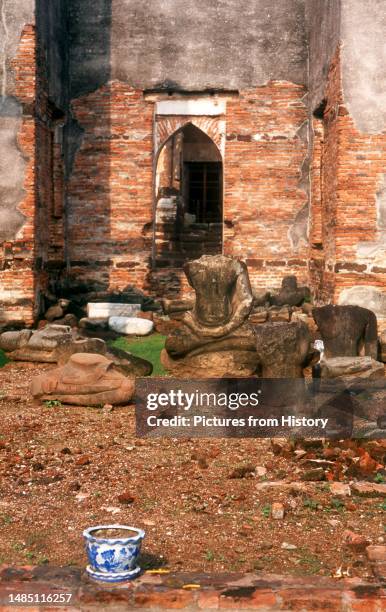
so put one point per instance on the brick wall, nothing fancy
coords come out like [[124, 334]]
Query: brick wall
[[26, 261], [17, 257], [109, 194], [110, 191], [112, 185], [352, 169], [264, 155]]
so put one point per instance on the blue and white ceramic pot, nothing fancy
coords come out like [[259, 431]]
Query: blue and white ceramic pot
[[113, 551]]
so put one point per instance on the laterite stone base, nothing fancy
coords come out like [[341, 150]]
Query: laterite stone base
[[190, 591]]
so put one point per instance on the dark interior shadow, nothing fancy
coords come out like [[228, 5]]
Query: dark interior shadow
[[72, 120]]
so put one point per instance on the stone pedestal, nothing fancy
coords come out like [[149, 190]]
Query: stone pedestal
[[221, 364]]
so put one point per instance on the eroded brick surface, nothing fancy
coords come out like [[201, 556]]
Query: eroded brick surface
[[194, 591]]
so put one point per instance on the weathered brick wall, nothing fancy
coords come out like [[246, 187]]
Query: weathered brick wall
[[352, 171], [316, 221], [264, 198], [25, 260], [17, 256], [109, 194], [111, 188], [107, 236]]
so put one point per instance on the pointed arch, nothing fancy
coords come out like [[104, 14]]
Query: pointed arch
[[188, 191], [213, 127]]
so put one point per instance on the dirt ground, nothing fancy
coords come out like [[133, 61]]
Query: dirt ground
[[65, 468]]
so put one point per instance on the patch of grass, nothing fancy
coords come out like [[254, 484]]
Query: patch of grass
[[30, 555], [3, 358], [266, 510], [310, 564], [148, 347], [209, 555], [53, 403], [6, 519], [337, 504], [310, 503], [379, 478]]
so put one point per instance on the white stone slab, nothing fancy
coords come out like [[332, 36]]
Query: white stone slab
[[131, 325], [201, 106], [104, 310]]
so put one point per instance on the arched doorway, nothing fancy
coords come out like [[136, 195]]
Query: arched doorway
[[189, 198]]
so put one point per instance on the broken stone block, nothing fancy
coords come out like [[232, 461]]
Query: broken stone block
[[68, 319], [105, 310], [259, 315], [94, 324], [369, 489], [39, 345], [355, 541], [340, 489], [85, 380], [131, 326], [315, 474], [282, 313], [376, 553], [277, 511], [360, 367], [283, 349], [345, 329]]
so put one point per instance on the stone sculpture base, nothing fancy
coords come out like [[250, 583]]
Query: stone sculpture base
[[358, 367], [221, 364]]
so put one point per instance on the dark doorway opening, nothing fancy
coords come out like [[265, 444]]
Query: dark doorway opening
[[203, 182], [189, 198]]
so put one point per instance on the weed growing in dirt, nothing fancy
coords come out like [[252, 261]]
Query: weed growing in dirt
[[5, 519], [379, 478], [53, 404], [310, 503], [337, 504], [309, 564], [3, 358], [266, 510]]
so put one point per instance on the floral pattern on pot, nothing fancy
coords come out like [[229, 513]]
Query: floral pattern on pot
[[109, 555]]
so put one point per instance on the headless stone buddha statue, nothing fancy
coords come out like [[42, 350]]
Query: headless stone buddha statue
[[214, 335], [85, 380]]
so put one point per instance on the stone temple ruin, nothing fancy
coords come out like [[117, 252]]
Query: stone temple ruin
[[146, 136]]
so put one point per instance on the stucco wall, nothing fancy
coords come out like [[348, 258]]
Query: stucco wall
[[363, 32], [191, 44]]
